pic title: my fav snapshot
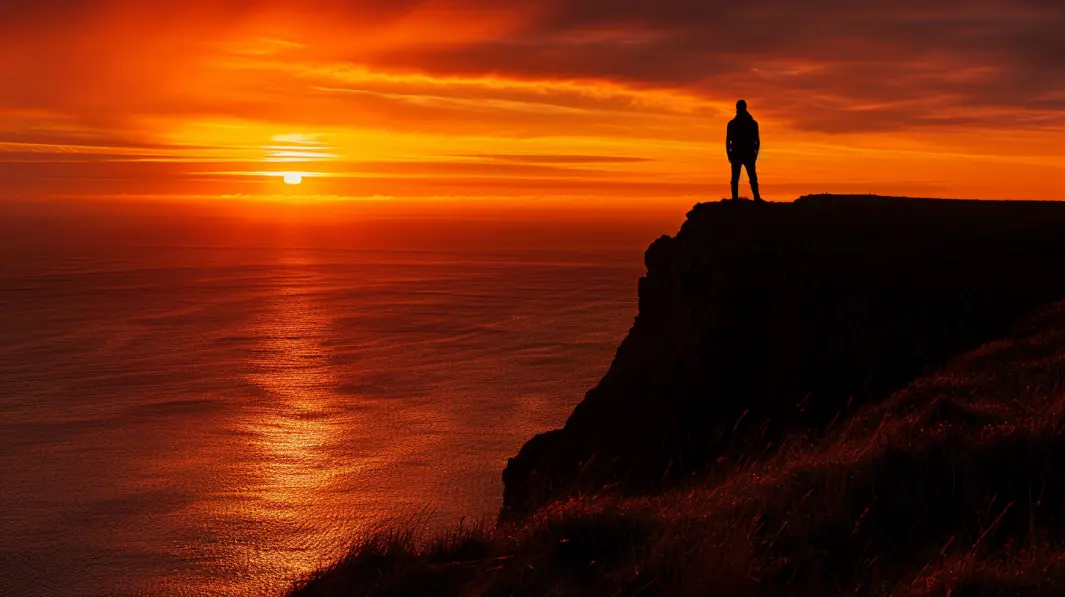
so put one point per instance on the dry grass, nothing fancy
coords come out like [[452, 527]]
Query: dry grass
[[952, 486]]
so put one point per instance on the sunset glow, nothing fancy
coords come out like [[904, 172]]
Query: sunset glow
[[528, 101], [531, 297]]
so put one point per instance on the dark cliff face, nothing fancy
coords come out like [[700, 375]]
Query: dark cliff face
[[757, 320]]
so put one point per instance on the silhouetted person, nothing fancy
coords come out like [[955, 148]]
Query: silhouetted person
[[742, 144]]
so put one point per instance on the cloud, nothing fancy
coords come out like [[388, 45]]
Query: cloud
[[829, 67], [558, 159], [548, 83], [824, 65]]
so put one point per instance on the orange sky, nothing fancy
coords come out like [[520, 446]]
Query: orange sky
[[527, 101]]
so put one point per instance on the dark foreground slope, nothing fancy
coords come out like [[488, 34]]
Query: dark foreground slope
[[759, 320], [784, 417], [950, 487]]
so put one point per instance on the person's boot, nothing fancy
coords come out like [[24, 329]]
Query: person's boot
[[735, 191], [757, 195]]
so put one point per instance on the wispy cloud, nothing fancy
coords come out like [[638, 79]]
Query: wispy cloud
[[421, 97]]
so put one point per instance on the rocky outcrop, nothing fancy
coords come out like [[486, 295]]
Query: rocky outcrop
[[757, 320]]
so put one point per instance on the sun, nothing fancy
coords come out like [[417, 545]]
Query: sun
[[293, 178]]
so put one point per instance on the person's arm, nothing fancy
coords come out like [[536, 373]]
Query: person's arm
[[757, 140], [728, 141]]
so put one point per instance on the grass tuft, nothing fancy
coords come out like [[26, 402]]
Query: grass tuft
[[953, 486]]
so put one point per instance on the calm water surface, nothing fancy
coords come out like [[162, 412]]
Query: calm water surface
[[218, 420]]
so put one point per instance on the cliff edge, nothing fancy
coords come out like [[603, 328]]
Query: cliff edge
[[757, 321]]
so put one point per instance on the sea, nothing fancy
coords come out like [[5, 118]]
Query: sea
[[203, 404]]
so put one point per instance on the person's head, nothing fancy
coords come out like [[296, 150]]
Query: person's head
[[741, 107]]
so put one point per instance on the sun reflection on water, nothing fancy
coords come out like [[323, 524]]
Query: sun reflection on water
[[295, 428]]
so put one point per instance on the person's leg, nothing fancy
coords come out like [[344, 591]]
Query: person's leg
[[736, 166], [752, 175]]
